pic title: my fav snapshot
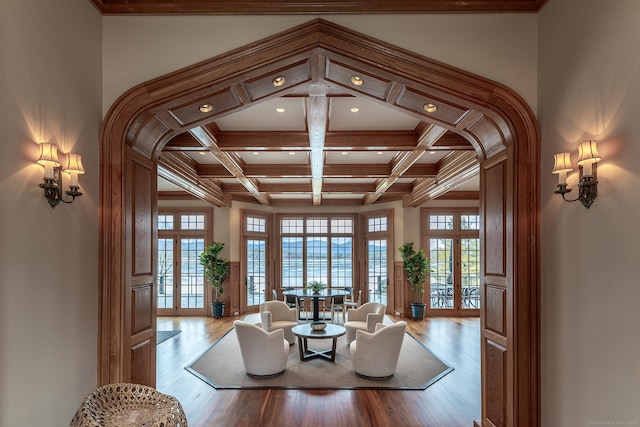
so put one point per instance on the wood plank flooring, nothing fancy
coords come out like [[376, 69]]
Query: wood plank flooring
[[451, 402]]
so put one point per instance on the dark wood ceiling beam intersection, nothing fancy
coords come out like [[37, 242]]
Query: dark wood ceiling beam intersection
[[207, 138]]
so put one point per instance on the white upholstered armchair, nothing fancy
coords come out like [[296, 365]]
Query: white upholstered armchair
[[365, 317], [375, 355], [278, 315], [264, 354]]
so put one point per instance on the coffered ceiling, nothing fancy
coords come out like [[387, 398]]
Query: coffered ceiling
[[317, 130]]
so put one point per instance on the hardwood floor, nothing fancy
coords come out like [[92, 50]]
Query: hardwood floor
[[451, 402]]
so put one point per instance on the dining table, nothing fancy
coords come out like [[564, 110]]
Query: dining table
[[317, 296]]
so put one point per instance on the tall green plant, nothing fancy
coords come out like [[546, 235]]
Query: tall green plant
[[417, 268], [215, 268]]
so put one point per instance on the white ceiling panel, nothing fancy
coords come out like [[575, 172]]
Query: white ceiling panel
[[265, 117]]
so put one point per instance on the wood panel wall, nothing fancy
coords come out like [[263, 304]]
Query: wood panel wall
[[496, 307], [139, 301]]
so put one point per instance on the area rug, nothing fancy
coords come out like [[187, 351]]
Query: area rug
[[221, 367], [162, 336]]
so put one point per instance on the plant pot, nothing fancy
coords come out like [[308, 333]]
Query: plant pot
[[417, 311], [217, 310]]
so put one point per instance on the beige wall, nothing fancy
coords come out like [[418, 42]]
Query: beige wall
[[590, 88], [50, 90], [502, 47]]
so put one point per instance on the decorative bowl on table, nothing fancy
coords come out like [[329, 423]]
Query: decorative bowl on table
[[318, 326]]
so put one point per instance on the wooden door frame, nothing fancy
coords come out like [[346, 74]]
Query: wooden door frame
[[498, 123]]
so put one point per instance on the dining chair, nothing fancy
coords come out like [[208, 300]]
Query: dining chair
[[274, 293], [351, 303], [298, 303], [335, 305]]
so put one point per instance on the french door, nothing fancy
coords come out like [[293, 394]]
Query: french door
[[256, 278], [181, 288], [454, 251], [255, 250], [377, 275], [377, 238]]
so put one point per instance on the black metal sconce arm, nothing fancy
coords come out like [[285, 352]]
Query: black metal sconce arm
[[53, 190]]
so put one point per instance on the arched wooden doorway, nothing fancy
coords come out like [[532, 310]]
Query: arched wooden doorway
[[493, 118]]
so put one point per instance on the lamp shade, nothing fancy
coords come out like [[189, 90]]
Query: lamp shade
[[74, 163], [588, 152], [74, 167], [48, 159], [48, 154], [562, 162]]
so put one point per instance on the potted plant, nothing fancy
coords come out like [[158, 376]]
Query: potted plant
[[216, 269], [316, 286], [417, 267]]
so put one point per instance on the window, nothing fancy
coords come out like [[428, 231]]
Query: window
[[316, 248]]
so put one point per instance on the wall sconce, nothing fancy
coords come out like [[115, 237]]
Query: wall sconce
[[588, 158], [52, 184]]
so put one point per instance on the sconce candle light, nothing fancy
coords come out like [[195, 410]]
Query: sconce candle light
[[52, 184], [588, 158]]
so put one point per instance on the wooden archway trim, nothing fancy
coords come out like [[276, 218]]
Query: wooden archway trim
[[493, 118]]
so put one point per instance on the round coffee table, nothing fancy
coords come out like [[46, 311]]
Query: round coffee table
[[304, 332]]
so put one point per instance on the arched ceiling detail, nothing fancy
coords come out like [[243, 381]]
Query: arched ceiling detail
[[319, 59]]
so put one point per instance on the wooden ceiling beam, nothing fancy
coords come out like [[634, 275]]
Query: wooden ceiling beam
[[293, 141], [455, 169], [330, 171], [207, 138], [404, 161], [181, 171], [399, 188], [282, 7]]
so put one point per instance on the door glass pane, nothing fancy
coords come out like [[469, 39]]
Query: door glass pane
[[191, 273], [165, 273], [292, 266], [470, 258], [470, 222], [317, 258], [377, 224], [341, 262], [165, 222], [377, 273], [192, 222], [441, 255], [441, 222], [256, 271]]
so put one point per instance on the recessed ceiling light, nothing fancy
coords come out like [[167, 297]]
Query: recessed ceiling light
[[379, 152], [432, 152], [202, 153], [279, 81], [430, 108], [205, 108], [292, 153], [255, 153], [343, 153], [280, 110], [355, 109], [357, 80]]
